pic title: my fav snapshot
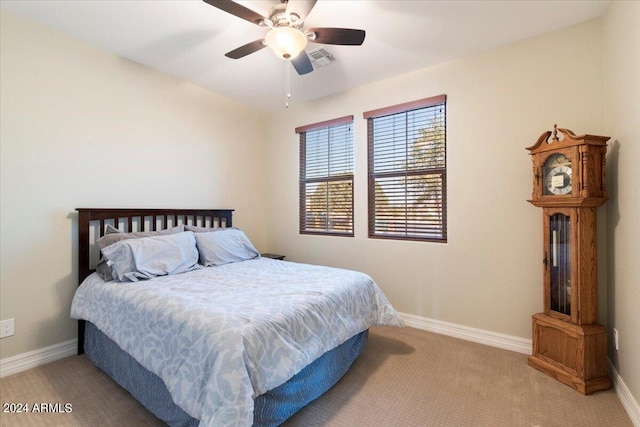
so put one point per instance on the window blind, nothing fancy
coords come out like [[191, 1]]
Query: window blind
[[407, 171], [326, 178]]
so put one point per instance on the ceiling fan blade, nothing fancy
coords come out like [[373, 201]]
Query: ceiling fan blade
[[245, 50], [302, 8], [342, 36], [237, 10], [302, 63]]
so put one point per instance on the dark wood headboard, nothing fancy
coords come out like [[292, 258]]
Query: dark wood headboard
[[134, 220]]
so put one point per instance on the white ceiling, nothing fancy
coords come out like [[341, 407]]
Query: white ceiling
[[188, 38]]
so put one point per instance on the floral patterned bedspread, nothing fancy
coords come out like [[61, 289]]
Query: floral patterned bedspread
[[220, 336]]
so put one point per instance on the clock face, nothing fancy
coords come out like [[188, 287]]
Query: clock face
[[557, 175]]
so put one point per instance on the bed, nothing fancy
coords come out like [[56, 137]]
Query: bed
[[241, 341]]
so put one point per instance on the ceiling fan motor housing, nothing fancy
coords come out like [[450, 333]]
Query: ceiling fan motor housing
[[280, 18]]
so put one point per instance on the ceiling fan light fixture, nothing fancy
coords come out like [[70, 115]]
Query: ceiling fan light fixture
[[286, 42]]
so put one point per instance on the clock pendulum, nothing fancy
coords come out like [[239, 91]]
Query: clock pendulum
[[569, 184]]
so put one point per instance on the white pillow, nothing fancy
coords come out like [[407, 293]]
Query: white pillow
[[224, 246], [148, 257]]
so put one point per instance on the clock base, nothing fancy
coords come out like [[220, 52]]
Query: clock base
[[575, 355]]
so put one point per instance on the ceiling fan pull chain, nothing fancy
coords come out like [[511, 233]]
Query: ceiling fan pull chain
[[287, 83]]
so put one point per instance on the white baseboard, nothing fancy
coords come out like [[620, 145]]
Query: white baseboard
[[31, 359], [493, 339], [626, 398]]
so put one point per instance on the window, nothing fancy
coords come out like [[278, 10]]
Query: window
[[407, 170], [326, 177]]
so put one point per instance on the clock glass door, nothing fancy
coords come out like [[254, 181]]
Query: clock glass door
[[560, 263]]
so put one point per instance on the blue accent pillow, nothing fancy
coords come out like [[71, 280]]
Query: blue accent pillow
[[113, 235], [148, 257], [224, 246]]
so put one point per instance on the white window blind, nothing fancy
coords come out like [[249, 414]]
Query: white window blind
[[407, 171], [326, 177]]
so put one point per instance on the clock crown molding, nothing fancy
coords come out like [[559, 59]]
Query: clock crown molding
[[549, 140]]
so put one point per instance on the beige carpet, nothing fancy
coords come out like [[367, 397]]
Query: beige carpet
[[405, 377]]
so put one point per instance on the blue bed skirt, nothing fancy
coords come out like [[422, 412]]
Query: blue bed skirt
[[270, 409]]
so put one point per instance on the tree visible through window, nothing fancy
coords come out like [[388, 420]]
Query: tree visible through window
[[407, 171], [326, 177]]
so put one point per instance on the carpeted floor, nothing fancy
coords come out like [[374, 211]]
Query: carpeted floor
[[405, 377]]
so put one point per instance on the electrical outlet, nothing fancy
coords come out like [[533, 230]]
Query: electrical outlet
[[615, 338], [6, 328]]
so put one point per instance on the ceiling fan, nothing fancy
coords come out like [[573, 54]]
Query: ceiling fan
[[287, 37]]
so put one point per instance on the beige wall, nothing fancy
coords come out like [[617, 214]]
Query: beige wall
[[622, 122], [84, 128], [489, 274]]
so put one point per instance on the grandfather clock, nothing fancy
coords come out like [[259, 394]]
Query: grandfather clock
[[569, 184]]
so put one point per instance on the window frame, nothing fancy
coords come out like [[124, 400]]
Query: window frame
[[303, 180], [404, 108]]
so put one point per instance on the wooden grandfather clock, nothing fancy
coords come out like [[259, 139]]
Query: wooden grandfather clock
[[569, 184]]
